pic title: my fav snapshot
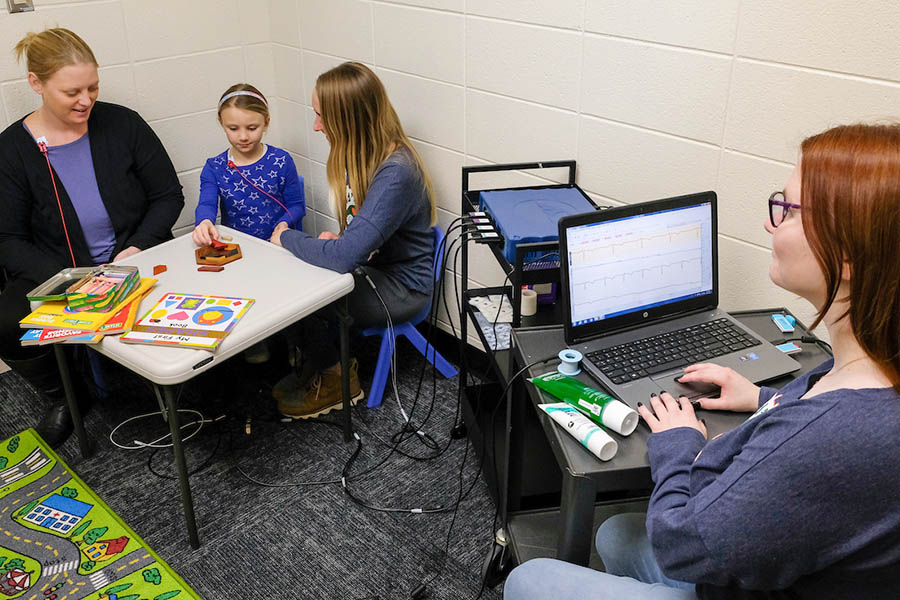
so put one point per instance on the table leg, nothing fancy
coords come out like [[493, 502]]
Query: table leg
[[77, 420], [180, 465], [345, 321], [576, 519]]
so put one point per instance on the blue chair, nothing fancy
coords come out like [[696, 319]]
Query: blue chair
[[408, 330]]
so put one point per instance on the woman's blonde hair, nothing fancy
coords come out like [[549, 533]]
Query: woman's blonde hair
[[363, 130], [52, 49]]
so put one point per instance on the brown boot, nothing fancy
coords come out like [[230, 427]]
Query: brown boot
[[323, 394], [290, 389]]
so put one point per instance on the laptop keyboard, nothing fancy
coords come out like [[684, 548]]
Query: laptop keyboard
[[671, 350]]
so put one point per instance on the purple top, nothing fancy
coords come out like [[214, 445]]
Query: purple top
[[74, 166]]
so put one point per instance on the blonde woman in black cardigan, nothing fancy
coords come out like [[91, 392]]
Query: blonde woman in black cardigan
[[81, 183]]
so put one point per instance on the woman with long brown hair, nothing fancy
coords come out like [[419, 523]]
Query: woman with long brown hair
[[803, 499], [385, 209]]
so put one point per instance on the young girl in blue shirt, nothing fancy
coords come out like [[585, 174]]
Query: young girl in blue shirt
[[256, 184]]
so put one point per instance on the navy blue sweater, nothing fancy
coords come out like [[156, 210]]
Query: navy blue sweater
[[800, 501], [395, 221]]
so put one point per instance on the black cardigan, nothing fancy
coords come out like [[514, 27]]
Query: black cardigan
[[137, 184]]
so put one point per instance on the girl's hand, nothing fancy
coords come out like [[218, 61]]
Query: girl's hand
[[737, 393], [204, 233], [328, 235], [129, 251], [276, 233], [670, 413]]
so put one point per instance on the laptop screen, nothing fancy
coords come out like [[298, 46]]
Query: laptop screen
[[627, 265]]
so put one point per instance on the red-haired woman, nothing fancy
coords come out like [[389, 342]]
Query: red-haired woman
[[803, 499]]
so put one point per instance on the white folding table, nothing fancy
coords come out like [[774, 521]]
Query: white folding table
[[285, 290]]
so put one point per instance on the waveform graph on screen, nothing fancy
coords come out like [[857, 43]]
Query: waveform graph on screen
[[641, 267]]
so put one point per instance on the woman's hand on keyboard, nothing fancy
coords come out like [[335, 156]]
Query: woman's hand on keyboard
[[737, 392]]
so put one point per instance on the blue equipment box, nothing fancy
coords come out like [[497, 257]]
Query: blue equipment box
[[531, 215]]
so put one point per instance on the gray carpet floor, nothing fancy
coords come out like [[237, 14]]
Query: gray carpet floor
[[293, 541]]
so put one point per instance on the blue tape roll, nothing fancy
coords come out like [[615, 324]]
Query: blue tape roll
[[570, 362]]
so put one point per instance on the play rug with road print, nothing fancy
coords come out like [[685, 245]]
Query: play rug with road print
[[59, 541]]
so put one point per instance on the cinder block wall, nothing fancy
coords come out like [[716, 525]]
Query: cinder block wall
[[652, 98]]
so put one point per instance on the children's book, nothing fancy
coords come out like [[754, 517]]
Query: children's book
[[119, 323], [124, 317], [58, 314], [39, 337], [189, 320]]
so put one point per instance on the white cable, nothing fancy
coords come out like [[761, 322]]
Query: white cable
[[139, 445], [393, 339]]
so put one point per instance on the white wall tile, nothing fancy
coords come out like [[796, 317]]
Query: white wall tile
[[170, 27], [288, 73], [190, 184], [191, 139], [278, 129], [424, 42], [634, 165], [4, 119], [117, 86], [255, 21], [318, 196], [429, 110], [534, 63], [773, 108], [444, 167], [339, 27], [199, 80], [314, 64], [744, 281], [19, 99], [259, 69], [285, 26], [745, 183], [309, 223], [503, 130], [677, 91], [493, 180], [292, 126], [852, 37], [324, 223], [100, 25], [318, 144], [451, 5], [704, 24], [561, 13]]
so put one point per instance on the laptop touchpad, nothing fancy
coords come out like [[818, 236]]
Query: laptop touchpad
[[694, 389]]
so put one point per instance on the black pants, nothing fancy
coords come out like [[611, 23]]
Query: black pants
[[320, 341], [36, 364], [14, 306]]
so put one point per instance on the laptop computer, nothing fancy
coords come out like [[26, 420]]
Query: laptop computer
[[642, 299]]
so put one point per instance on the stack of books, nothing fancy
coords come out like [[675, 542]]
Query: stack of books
[[81, 306]]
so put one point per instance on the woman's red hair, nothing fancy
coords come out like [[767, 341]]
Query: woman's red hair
[[850, 180]]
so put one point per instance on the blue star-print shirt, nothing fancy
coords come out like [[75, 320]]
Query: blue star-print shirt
[[244, 207]]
